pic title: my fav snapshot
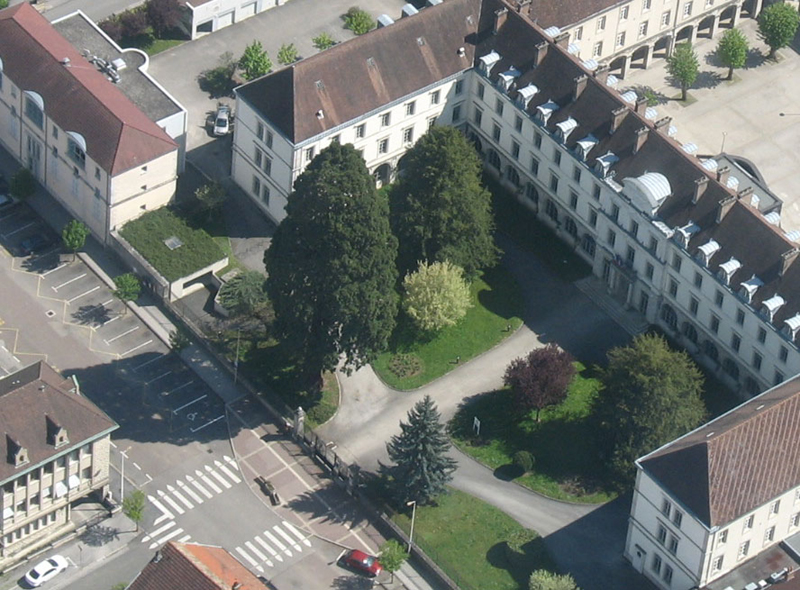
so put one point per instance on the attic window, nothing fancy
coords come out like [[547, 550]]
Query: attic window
[[173, 242], [585, 145], [56, 434], [489, 61], [603, 164], [706, 251], [564, 128], [749, 288], [629, 97], [508, 77], [17, 454], [370, 62], [684, 234], [543, 111], [320, 85], [526, 94], [771, 305], [791, 325], [727, 270], [320, 114], [420, 41]]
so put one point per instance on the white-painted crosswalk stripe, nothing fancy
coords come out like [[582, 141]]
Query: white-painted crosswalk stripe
[[288, 539], [180, 497], [252, 561], [227, 472], [277, 543], [158, 531], [189, 491], [200, 488], [208, 482], [166, 538], [184, 538], [218, 477], [165, 514], [231, 462], [297, 533], [269, 549], [258, 553], [171, 502]]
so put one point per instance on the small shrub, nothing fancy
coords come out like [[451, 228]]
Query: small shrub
[[359, 21], [524, 460], [287, 54], [519, 538], [323, 41], [405, 365]]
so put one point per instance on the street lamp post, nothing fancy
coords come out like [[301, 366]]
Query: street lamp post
[[413, 504]]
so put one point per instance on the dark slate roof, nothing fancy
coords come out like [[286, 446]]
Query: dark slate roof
[[736, 463], [560, 13], [365, 73], [78, 98], [179, 566], [31, 396]]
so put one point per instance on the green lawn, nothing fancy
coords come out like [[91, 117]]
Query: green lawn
[[566, 466], [159, 45], [497, 303], [466, 538]]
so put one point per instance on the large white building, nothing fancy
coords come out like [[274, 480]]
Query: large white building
[[84, 137], [206, 16], [720, 507]]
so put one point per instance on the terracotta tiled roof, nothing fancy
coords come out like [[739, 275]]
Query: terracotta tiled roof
[[179, 566], [366, 73], [560, 13], [27, 399], [77, 97], [736, 463]]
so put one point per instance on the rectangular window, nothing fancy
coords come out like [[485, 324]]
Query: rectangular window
[[596, 192], [267, 167], [665, 19], [687, 10], [76, 153], [646, 5], [648, 271], [537, 140], [630, 256], [265, 194], [736, 342], [593, 218], [269, 139], [677, 518], [714, 324], [431, 122], [481, 91], [456, 113], [774, 508], [597, 50], [673, 545], [551, 210], [260, 130], [518, 123], [601, 24], [722, 538], [778, 378], [795, 522], [459, 87], [310, 152], [557, 157], [576, 174], [653, 245], [634, 229], [656, 564], [256, 190], [718, 299], [623, 13], [408, 135], [612, 238], [478, 118], [578, 33], [717, 563], [783, 354], [383, 145], [740, 317], [97, 172], [694, 303], [644, 300], [762, 335], [698, 280], [666, 507], [386, 119], [515, 150], [496, 131], [361, 131], [673, 287], [769, 535], [411, 108], [643, 29], [553, 182], [336, 139], [573, 200], [55, 129], [676, 261], [748, 523], [621, 39], [534, 166], [615, 212], [498, 106], [744, 549], [435, 96], [757, 360], [667, 575]]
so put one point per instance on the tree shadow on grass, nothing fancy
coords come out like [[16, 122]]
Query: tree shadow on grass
[[503, 297], [520, 564]]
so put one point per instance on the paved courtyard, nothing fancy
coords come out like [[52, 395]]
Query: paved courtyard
[[742, 116]]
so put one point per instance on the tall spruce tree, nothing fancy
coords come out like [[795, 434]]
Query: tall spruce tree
[[331, 264], [440, 209], [421, 469]]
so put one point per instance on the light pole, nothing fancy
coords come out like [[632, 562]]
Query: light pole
[[789, 114], [722, 148], [413, 504]]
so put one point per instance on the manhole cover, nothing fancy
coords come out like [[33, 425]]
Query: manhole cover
[[50, 313]]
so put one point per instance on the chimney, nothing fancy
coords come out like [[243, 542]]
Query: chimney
[[641, 137], [722, 174], [601, 73], [641, 105], [580, 85], [500, 17], [663, 124], [724, 206], [616, 118], [562, 40], [700, 186], [539, 51], [787, 258], [745, 192], [522, 4]]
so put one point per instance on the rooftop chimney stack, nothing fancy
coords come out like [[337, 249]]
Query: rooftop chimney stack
[[724, 206], [640, 106], [617, 115], [562, 40], [500, 17], [663, 124], [700, 186], [540, 50], [722, 174], [601, 73], [787, 258], [641, 137], [745, 192], [580, 85]]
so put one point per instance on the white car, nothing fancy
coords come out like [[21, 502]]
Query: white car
[[46, 571], [222, 120]]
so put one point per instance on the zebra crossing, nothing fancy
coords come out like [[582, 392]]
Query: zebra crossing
[[273, 545], [187, 493]]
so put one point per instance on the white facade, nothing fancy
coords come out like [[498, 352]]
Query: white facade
[[212, 15]]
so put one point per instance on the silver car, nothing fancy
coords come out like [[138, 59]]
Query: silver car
[[222, 120]]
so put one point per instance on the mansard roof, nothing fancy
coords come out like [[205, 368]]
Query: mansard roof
[[737, 462], [548, 13]]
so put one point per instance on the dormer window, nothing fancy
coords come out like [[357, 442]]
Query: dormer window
[[727, 270], [34, 108], [684, 234], [526, 94], [706, 251], [564, 128], [56, 434], [749, 288], [17, 455], [584, 146], [543, 111], [771, 305], [488, 62], [76, 149], [603, 164], [508, 77], [791, 326]]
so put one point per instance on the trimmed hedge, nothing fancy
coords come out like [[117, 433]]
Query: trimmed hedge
[[147, 234]]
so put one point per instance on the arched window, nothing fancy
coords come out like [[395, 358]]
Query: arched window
[[494, 159], [731, 368], [669, 317], [34, 108], [751, 386], [532, 193], [512, 175], [710, 350], [588, 245], [571, 227], [690, 331]]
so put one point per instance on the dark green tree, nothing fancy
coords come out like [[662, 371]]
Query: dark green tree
[[179, 339], [74, 236], [777, 25], [244, 293], [684, 67], [359, 21], [651, 395], [255, 61], [133, 506], [331, 266], [732, 50], [163, 15], [421, 469], [23, 184], [440, 209]]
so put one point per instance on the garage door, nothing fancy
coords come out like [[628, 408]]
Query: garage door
[[248, 10], [225, 19]]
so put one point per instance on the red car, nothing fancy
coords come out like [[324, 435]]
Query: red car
[[366, 564]]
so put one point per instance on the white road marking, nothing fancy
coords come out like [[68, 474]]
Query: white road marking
[[171, 502], [72, 280], [288, 539], [189, 491], [135, 464], [92, 290], [290, 527], [125, 333], [106, 303], [163, 540], [269, 548], [231, 461], [157, 532], [218, 477], [181, 497], [209, 423], [111, 443], [108, 321], [135, 348], [277, 543], [227, 472], [62, 265], [69, 559], [19, 229], [258, 553], [208, 482], [186, 405], [196, 484], [252, 561], [144, 364], [184, 538], [161, 376], [187, 384]]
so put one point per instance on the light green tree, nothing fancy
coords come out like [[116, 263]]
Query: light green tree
[[436, 295], [179, 339], [392, 556], [255, 61], [211, 196], [684, 67], [545, 580], [74, 236], [777, 25], [128, 288], [244, 294], [133, 506], [287, 54], [323, 41], [359, 21], [732, 50]]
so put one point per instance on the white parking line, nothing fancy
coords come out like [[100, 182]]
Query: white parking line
[[218, 477], [19, 229], [187, 384], [83, 294], [135, 348], [121, 335], [62, 265], [72, 280], [269, 548], [144, 364], [186, 405], [108, 321], [157, 532], [135, 464], [163, 540], [171, 502], [161, 376], [209, 423], [196, 484], [208, 482]]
